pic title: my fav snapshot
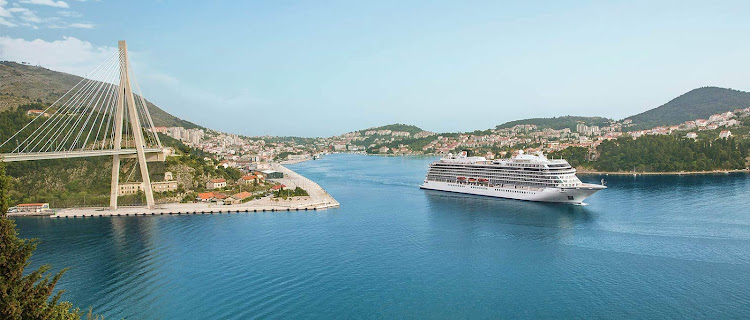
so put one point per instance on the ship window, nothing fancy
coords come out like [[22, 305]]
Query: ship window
[[570, 197]]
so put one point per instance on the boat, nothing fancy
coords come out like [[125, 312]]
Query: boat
[[530, 177]]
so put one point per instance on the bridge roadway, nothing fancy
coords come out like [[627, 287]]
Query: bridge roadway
[[151, 154]]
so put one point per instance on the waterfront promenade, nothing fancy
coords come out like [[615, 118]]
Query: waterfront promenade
[[318, 199]]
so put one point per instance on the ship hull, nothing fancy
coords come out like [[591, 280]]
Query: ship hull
[[572, 195]]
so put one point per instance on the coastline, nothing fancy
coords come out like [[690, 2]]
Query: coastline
[[651, 173], [318, 199]]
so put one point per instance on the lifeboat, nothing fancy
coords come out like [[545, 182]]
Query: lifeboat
[[461, 178], [472, 180], [483, 180]]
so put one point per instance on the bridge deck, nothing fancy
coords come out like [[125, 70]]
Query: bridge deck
[[12, 157]]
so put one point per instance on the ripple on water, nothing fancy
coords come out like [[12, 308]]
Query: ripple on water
[[647, 247]]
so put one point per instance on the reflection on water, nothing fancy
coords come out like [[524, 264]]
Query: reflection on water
[[646, 247]]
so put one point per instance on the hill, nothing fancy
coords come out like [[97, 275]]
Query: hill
[[557, 123], [695, 104], [22, 84], [396, 127]]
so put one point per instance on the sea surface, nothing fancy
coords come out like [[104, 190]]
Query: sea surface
[[647, 247]]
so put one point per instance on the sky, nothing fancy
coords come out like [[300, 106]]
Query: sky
[[322, 68]]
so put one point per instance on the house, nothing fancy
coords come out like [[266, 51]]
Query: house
[[691, 135], [34, 112], [204, 197], [725, 134], [225, 164], [238, 198], [32, 207], [249, 179], [216, 184], [211, 197], [278, 187]]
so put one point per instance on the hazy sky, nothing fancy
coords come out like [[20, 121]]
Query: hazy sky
[[320, 68]]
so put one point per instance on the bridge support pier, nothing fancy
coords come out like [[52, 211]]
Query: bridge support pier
[[126, 98]]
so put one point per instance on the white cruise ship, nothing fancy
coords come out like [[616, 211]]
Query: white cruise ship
[[524, 177]]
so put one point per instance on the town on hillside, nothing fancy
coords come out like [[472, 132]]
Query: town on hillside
[[256, 153]]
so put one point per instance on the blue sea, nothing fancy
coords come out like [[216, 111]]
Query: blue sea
[[646, 247]]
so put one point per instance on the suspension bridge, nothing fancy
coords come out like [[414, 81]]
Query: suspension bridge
[[104, 114]]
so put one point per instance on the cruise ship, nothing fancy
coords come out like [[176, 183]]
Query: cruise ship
[[530, 177]]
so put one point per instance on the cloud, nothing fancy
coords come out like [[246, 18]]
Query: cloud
[[7, 23], [51, 3], [26, 14], [69, 14], [4, 13], [82, 25], [68, 55]]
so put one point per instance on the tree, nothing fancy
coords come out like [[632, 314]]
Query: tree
[[29, 296]]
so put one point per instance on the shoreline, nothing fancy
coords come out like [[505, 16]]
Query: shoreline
[[318, 199], [652, 173]]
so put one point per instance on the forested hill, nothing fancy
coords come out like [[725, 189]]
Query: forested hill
[[557, 123], [695, 104], [396, 127], [22, 84]]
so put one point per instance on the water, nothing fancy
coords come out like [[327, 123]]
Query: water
[[647, 247]]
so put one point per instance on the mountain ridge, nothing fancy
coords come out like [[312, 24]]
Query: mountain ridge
[[22, 84], [699, 103]]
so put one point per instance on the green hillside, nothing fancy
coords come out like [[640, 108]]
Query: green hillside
[[557, 123], [22, 84], [396, 127], [695, 104]]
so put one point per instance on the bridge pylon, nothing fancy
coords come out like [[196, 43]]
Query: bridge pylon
[[126, 100]]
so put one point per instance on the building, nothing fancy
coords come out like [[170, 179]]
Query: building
[[164, 186], [270, 174], [204, 197], [211, 197], [32, 207], [134, 187], [278, 187], [249, 179], [238, 198], [725, 134], [216, 184], [130, 188], [34, 112], [691, 135]]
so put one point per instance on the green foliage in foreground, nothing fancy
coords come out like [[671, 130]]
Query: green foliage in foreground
[[30, 296], [671, 153]]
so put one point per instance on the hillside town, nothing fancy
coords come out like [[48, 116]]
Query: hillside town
[[257, 153]]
